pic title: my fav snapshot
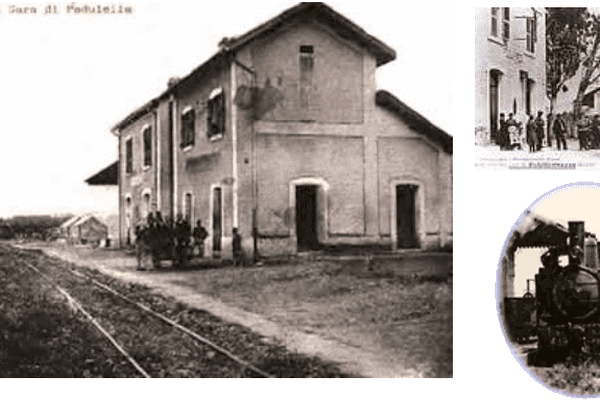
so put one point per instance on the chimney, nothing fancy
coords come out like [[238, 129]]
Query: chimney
[[173, 81], [576, 238]]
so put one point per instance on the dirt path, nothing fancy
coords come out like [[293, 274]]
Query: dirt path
[[352, 359]]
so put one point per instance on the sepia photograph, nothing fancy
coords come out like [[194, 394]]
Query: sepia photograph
[[537, 88], [549, 288], [226, 191]]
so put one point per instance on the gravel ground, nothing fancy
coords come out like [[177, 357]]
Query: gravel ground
[[43, 337]]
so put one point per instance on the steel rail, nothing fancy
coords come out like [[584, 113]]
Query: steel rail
[[177, 326], [79, 307]]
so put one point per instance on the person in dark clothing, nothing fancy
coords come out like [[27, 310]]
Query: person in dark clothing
[[239, 257], [532, 137], [182, 240], [549, 130], [596, 132], [150, 220], [200, 234], [559, 132], [159, 219], [539, 127], [501, 136]]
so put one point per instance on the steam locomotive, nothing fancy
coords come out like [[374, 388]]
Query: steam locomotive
[[567, 300]]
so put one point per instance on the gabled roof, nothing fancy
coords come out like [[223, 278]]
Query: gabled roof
[[414, 120], [83, 220], [108, 176], [327, 15], [70, 222], [303, 11]]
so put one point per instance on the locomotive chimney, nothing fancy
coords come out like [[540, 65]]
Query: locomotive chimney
[[576, 238]]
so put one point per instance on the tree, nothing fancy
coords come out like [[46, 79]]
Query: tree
[[565, 47], [590, 61]]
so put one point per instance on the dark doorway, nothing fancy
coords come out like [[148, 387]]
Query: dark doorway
[[494, 84], [306, 217], [217, 230], [406, 216], [528, 91]]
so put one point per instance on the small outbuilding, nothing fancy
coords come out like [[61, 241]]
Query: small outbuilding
[[84, 230]]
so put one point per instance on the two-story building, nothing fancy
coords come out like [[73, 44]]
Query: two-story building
[[283, 134], [510, 65]]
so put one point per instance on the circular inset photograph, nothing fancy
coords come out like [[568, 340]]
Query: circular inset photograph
[[549, 289]]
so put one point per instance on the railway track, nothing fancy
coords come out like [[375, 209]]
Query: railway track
[[100, 298]]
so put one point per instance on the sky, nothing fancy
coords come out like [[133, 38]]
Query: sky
[[578, 204], [67, 79]]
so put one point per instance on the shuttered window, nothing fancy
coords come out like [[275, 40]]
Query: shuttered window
[[188, 207], [306, 74], [531, 34], [216, 115], [188, 132], [147, 136], [129, 156], [506, 23], [494, 26]]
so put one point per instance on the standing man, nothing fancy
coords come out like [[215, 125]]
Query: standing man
[[559, 132], [596, 132], [549, 129], [532, 136], [200, 234], [501, 136], [583, 132], [182, 239], [239, 258], [539, 127]]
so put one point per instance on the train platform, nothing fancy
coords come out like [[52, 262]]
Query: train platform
[[352, 359]]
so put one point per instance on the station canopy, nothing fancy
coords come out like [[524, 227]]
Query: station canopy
[[538, 231]]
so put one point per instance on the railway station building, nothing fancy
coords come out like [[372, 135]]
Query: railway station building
[[510, 66], [283, 134]]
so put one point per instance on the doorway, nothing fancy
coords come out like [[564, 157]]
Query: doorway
[[306, 217], [217, 228], [406, 222]]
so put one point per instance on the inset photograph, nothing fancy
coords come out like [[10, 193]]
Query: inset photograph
[[537, 88], [549, 287]]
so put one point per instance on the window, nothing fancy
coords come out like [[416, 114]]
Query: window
[[129, 156], [147, 136], [531, 34], [494, 30], [188, 133], [188, 207], [216, 114], [506, 23], [306, 74]]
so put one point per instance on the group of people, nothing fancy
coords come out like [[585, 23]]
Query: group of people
[[179, 231], [589, 133], [508, 136], [535, 131]]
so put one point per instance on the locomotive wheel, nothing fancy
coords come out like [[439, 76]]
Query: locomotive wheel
[[570, 300]]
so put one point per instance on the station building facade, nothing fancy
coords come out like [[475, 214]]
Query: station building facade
[[284, 135]]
